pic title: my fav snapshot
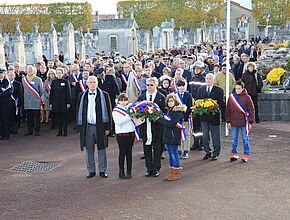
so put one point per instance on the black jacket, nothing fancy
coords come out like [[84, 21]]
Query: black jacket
[[101, 127], [172, 134], [60, 95], [155, 126], [111, 87], [187, 100], [215, 94], [5, 91], [18, 92]]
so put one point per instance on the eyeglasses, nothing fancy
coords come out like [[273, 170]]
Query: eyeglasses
[[150, 84]]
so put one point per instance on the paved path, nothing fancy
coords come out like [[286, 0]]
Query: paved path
[[208, 190]]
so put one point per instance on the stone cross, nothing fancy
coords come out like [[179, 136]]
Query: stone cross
[[18, 23]]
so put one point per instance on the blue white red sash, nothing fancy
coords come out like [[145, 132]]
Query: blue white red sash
[[240, 107], [178, 125], [174, 86], [124, 113], [179, 97], [32, 89], [136, 82], [124, 79], [76, 79], [48, 86], [82, 85], [190, 121]]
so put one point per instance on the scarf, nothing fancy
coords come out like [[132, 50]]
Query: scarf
[[105, 116]]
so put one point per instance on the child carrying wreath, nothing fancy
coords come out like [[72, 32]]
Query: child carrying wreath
[[173, 132]]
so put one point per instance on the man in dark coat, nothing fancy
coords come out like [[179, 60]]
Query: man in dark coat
[[150, 131], [94, 120], [5, 105], [16, 101], [211, 123], [60, 99]]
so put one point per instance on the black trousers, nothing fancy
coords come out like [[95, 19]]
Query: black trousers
[[255, 102], [15, 118], [153, 159], [5, 119], [61, 119], [125, 142], [33, 120]]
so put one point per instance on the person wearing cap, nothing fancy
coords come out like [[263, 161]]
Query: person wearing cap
[[150, 131], [33, 90], [253, 84], [165, 82], [6, 91], [197, 80], [211, 123]]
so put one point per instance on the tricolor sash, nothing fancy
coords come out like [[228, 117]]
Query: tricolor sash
[[124, 113], [178, 125], [179, 97], [124, 79], [32, 89], [82, 85], [136, 82], [190, 122], [174, 86], [241, 108], [48, 86], [75, 78]]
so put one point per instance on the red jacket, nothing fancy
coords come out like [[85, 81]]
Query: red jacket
[[234, 115]]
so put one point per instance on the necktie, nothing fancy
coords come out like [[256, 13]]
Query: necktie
[[92, 93], [208, 90], [150, 98]]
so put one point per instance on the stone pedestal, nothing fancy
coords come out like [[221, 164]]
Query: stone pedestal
[[37, 46], [68, 42], [274, 106], [53, 48]]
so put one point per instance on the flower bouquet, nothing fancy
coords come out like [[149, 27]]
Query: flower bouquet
[[274, 76], [147, 109], [205, 107]]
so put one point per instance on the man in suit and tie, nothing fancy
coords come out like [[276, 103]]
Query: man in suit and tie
[[211, 123], [94, 121], [151, 131], [17, 99]]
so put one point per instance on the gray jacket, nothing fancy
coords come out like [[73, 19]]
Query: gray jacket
[[31, 101]]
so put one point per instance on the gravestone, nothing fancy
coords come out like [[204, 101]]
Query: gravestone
[[82, 45], [2, 53], [53, 48], [68, 41], [18, 50]]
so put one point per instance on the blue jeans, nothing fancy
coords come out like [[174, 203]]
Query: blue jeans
[[235, 140], [173, 155]]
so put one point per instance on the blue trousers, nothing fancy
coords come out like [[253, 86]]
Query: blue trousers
[[235, 140], [173, 155]]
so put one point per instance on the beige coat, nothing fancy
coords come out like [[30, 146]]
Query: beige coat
[[220, 81]]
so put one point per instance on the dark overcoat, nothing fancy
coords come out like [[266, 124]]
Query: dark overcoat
[[60, 95], [101, 127]]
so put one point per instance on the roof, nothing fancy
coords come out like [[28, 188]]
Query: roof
[[113, 24]]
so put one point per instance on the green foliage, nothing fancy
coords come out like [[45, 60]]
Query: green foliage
[[287, 67], [187, 13], [79, 14], [279, 11]]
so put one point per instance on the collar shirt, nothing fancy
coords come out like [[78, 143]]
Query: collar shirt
[[91, 114], [148, 123]]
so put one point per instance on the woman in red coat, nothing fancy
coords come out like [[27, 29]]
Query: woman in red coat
[[239, 116]]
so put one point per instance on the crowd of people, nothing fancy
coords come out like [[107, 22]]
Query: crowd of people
[[92, 95]]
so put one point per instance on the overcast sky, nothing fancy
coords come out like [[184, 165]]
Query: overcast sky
[[103, 6]]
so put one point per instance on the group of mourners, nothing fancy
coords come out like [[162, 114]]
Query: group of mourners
[[93, 95]]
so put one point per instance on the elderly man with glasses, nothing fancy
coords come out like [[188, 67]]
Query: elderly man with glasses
[[151, 131]]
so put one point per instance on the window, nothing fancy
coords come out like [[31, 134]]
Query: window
[[113, 43]]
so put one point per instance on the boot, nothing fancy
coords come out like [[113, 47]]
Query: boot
[[129, 173], [170, 173], [175, 174], [122, 174]]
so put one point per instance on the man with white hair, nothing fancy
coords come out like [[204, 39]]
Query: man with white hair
[[151, 131], [211, 123], [32, 90]]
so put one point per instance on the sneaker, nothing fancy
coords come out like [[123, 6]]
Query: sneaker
[[185, 155], [234, 157], [245, 158]]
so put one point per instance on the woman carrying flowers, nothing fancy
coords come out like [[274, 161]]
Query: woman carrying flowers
[[172, 123], [239, 116]]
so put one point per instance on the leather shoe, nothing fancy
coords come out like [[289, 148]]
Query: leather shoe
[[58, 134], [156, 174], [214, 158], [207, 156], [148, 173], [36, 133], [28, 134], [103, 174], [90, 175]]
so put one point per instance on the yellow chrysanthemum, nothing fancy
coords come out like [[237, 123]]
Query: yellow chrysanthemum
[[275, 75]]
